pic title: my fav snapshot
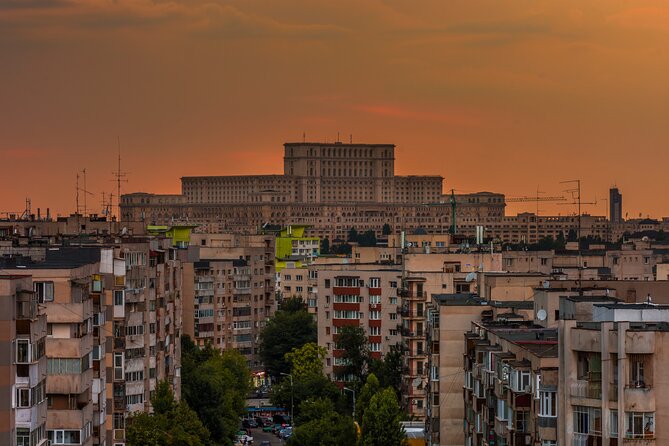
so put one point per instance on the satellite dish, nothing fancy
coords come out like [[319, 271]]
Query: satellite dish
[[416, 382], [470, 277], [541, 315], [546, 284]]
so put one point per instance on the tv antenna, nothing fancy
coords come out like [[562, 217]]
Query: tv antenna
[[85, 194], [120, 176]]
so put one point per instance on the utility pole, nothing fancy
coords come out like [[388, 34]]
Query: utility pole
[[353, 391], [292, 420]]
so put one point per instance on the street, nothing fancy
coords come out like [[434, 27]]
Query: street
[[258, 436]]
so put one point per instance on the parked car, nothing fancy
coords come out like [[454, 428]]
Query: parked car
[[288, 430], [268, 428], [249, 423]]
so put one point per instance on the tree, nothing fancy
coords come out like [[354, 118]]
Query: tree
[[371, 388], [571, 236], [314, 408], [331, 429], [381, 421], [353, 341], [215, 385], [308, 386], [172, 423], [367, 239], [352, 235], [325, 246], [387, 230], [306, 360], [290, 327], [389, 369], [560, 241]]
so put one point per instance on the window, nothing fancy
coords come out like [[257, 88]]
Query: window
[[23, 397], [22, 436], [118, 366], [587, 420], [374, 315], [22, 351], [547, 403], [613, 425], [375, 331], [374, 282], [374, 299], [375, 347], [347, 314], [64, 437], [638, 366], [393, 316], [43, 291], [639, 425], [118, 297]]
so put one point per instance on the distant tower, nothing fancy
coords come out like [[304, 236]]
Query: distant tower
[[615, 206]]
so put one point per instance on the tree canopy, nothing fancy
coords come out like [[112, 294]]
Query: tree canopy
[[353, 341], [173, 423], [290, 327], [215, 385], [381, 421], [306, 360]]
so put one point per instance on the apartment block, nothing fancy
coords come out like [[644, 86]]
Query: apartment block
[[510, 384], [143, 279], [23, 364], [450, 316], [362, 296], [229, 291], [64, 284], [612, 372]]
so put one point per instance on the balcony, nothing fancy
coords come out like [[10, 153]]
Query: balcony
[[69, 419], [586, 389], [501, 427]]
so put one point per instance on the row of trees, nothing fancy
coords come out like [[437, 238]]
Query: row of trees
[[214, 387], [367, 238], [323, 414]]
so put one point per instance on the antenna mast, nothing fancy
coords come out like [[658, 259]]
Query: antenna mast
[[120, 177]]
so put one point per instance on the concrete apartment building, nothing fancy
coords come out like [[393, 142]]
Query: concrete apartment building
[[357, 295], [114, 324], [612, 371], [23, 365], [229, 291], [511, 384], [450, 316], [143, 292], [64, 284]]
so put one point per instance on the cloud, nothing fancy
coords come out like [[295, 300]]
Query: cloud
[[210, 18], [33, 4]]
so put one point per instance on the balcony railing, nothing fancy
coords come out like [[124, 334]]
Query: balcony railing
[[586, 389]]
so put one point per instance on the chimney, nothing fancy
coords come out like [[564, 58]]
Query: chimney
[[48, 214], [39, 214]]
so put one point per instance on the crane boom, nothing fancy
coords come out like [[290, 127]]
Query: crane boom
[[532, 199]]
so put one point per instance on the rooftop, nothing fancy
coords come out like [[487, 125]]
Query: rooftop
[[56, 258]]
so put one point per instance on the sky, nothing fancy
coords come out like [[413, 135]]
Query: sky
[[508, 96]]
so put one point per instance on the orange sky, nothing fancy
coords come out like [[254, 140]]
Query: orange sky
[[494, 95]]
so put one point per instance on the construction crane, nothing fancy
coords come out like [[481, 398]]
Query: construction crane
[[532, 199]]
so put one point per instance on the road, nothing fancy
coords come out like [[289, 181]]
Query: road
[[258, 436]]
